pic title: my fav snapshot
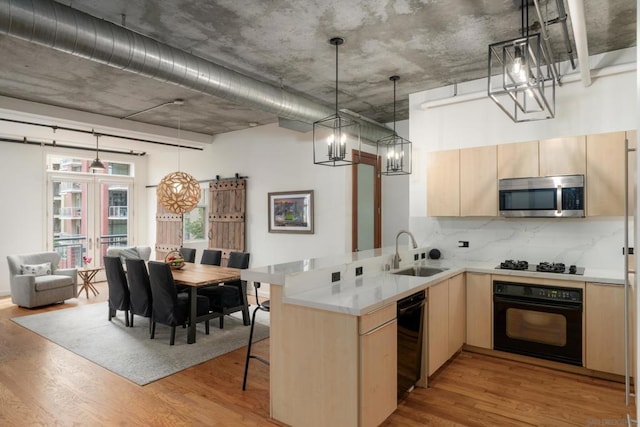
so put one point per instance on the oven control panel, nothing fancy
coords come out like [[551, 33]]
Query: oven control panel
[[537, 291]]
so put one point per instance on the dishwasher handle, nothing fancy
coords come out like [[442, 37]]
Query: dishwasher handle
[[404, 309]]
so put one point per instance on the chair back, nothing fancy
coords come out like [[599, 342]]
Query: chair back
[[211, 257], [119, 295], [189, 254], [238, 260], [140, 287], [164, 295]]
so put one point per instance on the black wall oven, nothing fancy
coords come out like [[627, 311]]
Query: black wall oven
[[539, 321]]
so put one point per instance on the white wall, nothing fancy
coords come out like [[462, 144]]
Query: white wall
[[278, 159], [608, 105]]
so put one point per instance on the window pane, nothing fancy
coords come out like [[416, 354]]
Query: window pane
[[72, 164], [194, 224]]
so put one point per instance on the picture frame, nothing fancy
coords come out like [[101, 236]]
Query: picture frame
[[291, 212]]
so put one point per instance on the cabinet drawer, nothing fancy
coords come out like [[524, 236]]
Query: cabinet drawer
[[376, 318]]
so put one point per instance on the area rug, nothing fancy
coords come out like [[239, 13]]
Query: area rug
[[129, 352]]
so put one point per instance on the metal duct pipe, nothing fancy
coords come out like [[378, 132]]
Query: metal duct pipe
[[578, 22], [63, 28]]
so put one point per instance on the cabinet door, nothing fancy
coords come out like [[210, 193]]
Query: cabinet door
[[443, 183], [438, 325], [518, 160], [563, 156], [479, 310], [605, 174], [478, 181], [604, 312], [457, 315], [378, 379]]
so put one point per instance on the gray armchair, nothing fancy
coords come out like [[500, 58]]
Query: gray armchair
[[38, 288]]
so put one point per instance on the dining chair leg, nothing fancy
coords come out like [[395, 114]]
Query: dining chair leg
[[153, 330], [111, 313], [151, 324], [131, 321], [222, 321], [206, 327], [126, 318], [172, 341]]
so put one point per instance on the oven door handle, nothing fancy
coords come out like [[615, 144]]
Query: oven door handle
[[575, 306]]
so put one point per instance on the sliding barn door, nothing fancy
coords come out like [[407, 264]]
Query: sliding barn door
[[168, 232], [227, 205]]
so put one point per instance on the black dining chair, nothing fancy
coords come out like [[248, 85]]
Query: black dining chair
[[211, 257], [263, 306], [189, 254], [140, 289], [119, 297], [169, 307], [231, 296]]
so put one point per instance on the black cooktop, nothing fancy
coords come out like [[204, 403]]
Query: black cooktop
[[544, 267]]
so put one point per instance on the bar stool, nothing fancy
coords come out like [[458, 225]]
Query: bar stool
[[264, 306]]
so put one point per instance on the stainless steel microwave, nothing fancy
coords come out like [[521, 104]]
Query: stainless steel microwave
[[542, 197]]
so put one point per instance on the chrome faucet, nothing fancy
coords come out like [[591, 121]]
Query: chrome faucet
[[396, 258]]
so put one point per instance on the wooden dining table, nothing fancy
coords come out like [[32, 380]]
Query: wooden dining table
[[196, 276]]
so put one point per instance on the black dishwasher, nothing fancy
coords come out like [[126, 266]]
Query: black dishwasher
[[410, 312]]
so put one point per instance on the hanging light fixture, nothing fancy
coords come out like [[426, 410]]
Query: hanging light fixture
[[97, 165], [394, 150], [178, 191], [336, 139], [522, 77]]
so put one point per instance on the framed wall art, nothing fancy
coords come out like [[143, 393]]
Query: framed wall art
[[291, 212]]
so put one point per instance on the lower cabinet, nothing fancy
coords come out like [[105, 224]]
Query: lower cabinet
[[378, 366], [604, 327], [479, 310], [446, 320]]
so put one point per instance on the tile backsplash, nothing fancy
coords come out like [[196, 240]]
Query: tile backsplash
[[586, 242]]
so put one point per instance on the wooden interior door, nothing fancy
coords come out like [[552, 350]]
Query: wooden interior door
[[168, 232], [227, 206]]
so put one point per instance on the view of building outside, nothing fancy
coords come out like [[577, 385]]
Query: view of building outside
[[195, 221], [72, 216]]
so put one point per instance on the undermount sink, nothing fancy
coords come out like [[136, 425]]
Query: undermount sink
[[420, 271]]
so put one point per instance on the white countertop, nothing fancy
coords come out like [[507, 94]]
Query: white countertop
[[360, 295]]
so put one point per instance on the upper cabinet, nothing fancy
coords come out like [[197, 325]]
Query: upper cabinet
[[563, 156], [443, 183], [518, 160], [478, 181], [606, 173]]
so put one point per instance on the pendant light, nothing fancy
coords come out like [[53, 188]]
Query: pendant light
[[521, 78], [178, 191], [336, 139], [97, 165], [394, 150]]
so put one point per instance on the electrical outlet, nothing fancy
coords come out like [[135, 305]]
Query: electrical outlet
[[335, 276], [358, 271], [463, 244], [416, 257], [423, 255], [630, 251]]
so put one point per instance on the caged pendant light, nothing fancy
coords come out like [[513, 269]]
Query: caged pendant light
[[97, 165], [395, 150], [521, 78], [336, 139]]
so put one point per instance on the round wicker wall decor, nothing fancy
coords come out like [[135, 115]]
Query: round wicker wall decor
[[178, 192]]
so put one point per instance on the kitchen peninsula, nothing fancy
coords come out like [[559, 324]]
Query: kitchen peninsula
[[333, 344]]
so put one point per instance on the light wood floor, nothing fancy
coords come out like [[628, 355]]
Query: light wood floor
[[44, 384]]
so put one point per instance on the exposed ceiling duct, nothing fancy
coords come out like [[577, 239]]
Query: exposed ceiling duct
[[578, 23], [63, 28]]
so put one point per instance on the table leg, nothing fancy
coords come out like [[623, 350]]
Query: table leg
[[193, 311]]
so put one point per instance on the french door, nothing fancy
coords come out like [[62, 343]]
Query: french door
[[87, 214]]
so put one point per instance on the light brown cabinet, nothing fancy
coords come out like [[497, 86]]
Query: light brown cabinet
[[519, 160], [563, 156], [446, 320], [606, 174], [378, 363], [478, 181], [604, 327], [443, 183], [479, 310]]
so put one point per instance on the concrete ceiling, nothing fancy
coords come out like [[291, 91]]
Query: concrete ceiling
[[428, 43]]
